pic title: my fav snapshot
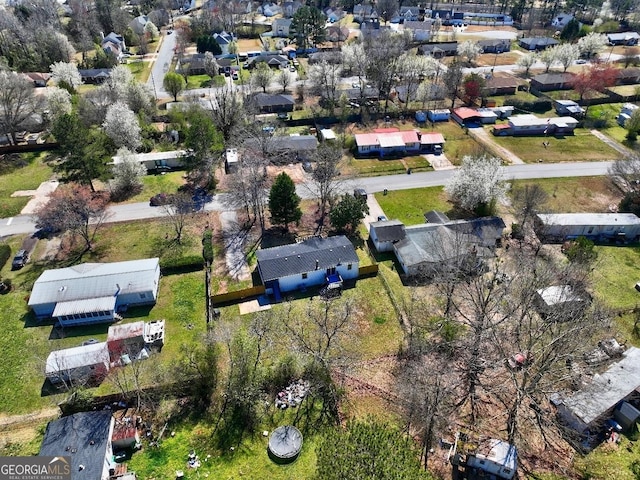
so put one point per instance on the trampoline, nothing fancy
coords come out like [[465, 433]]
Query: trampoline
[[285, 444]]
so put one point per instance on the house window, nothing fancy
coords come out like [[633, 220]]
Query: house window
[[590, 230], [143, 295], [304, 276], [331, 271], [349, 266]]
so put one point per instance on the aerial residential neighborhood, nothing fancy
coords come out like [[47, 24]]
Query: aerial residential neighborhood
[[323, 240]]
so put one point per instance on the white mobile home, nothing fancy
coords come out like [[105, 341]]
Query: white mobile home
[[78, 365], [312, 262], [497, 458], [156, 160], [93, 292], [558, 227]]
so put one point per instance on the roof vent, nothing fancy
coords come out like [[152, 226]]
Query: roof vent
[[62, 288], [80, 467], [92, 442]]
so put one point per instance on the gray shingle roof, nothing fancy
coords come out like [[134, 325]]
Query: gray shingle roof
[[434, 216], [297, 258], [84, 437], [93, 280], [271, 100], [388, 230]]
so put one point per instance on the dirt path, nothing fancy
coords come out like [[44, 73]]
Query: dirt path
[[23, 428], [482, 136]]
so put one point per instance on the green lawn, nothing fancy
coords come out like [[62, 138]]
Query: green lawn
[[140, 69], [458, 142], [248, 460], [153, 184], [616, 272], [180, 303], [371, 167], [409, 206], [582, 146], [24, 172], [522, 96], [575, 195], [610, 461]]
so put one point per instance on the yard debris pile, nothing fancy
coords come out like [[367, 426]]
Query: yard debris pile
[[194, 461], [293, 395]]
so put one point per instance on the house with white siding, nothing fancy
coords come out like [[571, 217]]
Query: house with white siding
[[94, 292], [616, 227], [314, 262]]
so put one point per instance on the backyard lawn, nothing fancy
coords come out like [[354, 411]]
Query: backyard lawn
[[581, 147], [615, 274], [575, 195], [140, 69], [26, 344], [24, 172], [409, 206]]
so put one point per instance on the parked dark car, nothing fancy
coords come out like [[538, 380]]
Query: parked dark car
[[160, 199], [19, 261], [360, 194]]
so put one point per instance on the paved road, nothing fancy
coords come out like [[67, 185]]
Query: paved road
[[21, 224], [161, 65]]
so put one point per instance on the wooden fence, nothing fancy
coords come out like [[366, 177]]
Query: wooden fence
[[368, 270], [230, 297]]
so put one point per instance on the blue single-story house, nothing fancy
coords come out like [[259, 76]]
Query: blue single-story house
[[94, 292], [311, 263]]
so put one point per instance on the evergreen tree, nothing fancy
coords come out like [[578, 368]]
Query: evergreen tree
[[84, 151], [348, 213], [570, 31], [284, 203], [308, 27]]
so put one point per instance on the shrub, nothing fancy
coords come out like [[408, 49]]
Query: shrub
[[207, 246], [5, 254], [173, 265], [539, 105], [581, 251]]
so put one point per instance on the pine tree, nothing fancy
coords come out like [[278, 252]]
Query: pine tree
[[284, 203]]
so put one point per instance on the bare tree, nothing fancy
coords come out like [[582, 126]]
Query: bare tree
[[261, 76], [177, 211], [285, 79], [626, 172], [540, 346], [18, 103], [75, 208], [326, 176], [382, 52], [529, 200], [325, 78], [452, 80], [227, 111]]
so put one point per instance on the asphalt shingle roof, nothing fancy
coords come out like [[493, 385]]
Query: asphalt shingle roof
[[312, 254], [82, 436], [388, 230]]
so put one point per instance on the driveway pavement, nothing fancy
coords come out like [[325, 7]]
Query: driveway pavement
[[484, 137], [613, 144], [375, 210]]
